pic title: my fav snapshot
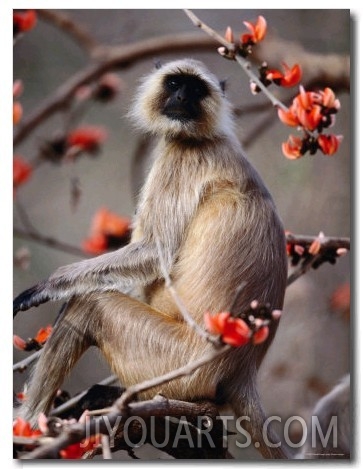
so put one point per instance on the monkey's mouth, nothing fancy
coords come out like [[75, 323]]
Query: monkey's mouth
[[180, 113]]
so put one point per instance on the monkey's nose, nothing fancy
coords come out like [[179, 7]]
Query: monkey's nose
[[182, 95]]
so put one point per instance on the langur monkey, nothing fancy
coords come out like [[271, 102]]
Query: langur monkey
[[207, 208]]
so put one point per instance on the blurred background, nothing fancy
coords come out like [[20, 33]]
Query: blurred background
[[312, 349]]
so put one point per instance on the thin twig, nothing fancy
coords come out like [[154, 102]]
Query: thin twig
[[50, 242], [23, 364], [185, 370], [301, 270], [246, 66], [211, 32]]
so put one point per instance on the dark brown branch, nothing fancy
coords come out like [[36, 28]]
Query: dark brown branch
[[50, 242], [327, 250], [158, 407], [327, 242], [63, 22]]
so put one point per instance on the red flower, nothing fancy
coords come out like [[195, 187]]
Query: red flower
[[327, 99], [234, 331], [22, 171], [77, 450], [289, 78], [34, 343], [329, 144], [257, 31], [95, 244], [260, 335], [311, 118], [17, 112], [24, 21], [288, 117], [292, 148], [43, 334], [108, 222], [19, 343], [17, 107], [23, 428], [87, 138], [340, 300], [17, 88], [105, 224], [228, 35]]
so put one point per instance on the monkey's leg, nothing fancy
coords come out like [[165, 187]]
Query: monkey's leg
[[138, 342], [69, 340]]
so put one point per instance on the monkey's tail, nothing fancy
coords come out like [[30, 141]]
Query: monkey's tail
[[68, 341], [247, 406]]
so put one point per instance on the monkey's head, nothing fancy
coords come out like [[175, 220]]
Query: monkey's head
[[182, 99]]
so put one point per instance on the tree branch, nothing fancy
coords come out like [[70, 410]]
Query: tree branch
[[49, 242], [64, 22]]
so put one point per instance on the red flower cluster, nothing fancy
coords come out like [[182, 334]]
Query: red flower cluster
[[75, 451], [288, 78], [108, 231], [23, 21], [311, 111], [235, 331], [257, 32], [87, 138], [23, 428], [34, 343]]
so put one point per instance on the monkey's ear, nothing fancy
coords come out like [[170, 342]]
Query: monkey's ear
[[158, 64]]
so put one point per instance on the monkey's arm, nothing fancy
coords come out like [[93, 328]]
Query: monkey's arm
[[136, 263]]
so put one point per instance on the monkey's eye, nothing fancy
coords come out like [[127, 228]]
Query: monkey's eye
[[173, 84]]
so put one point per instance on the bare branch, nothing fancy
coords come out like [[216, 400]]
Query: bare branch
[[75, 433], [23, 364], [63, 22], [327, 249], [211, 32], [50, 242], [327, 242], [185, 370]]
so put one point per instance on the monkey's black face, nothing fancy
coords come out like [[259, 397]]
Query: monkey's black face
[[184, 94]]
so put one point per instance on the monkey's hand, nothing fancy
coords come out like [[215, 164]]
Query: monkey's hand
[[33, 296], [134, 264]]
